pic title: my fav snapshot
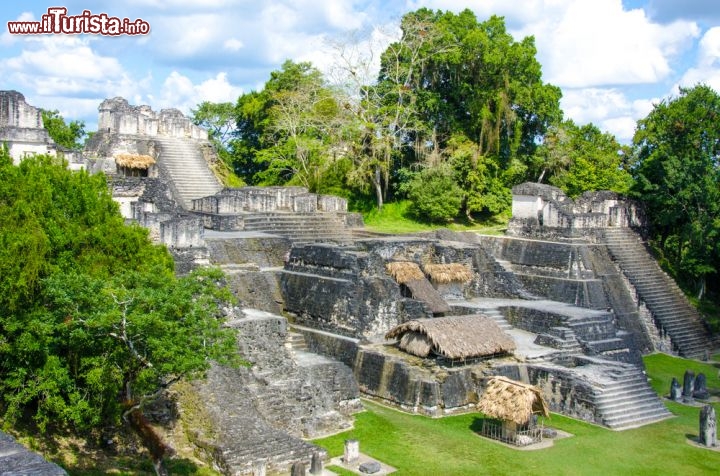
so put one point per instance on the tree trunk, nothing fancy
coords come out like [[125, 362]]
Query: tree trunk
[[542, 176], [701, 293], [377, 182], [150, 440]]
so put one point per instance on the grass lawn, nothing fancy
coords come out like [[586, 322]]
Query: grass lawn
[[394, 218], [418, 445]]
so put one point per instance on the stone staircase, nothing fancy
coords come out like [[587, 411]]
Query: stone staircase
[[301, 227], [246, 441], [598, 335], [188, 171], [497, 316], [295, 341], [672, 312], [624, 399]]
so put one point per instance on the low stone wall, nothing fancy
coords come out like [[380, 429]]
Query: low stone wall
[[583, 293], [564, 392], [182, 232]]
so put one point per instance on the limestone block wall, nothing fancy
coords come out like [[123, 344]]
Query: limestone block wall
[[182, 232], [21, 127], [331, 203], [546, 207], [268, 200], [306, 203], [119, 117], [15, 112]]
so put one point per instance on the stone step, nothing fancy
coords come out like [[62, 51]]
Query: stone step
[[631, 408], [633, 420]]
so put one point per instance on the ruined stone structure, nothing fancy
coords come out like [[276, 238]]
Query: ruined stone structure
[[544, 208], [582, 303], [21, 129]]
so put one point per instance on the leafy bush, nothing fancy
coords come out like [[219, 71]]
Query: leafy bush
[[435, 195]]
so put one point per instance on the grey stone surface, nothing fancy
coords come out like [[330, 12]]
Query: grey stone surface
[[675, 390], [708, 426], [370, 467], [297, 469], [16, 460], [700, 390], [688, 386], [316, 464]]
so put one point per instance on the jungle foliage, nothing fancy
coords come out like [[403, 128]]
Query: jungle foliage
[[93, 322], [459, 106]]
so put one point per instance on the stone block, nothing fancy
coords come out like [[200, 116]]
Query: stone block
[[370, 467]]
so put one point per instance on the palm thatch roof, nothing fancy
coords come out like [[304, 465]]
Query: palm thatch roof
[[134, 161], [509, 400], [448, 273], [422, 290], [453, 337], [404, 271]]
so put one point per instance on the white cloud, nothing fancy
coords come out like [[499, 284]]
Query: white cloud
[[599, 43], [609, 109], [67, 66], [6, 38], [584, 43], [178, 91], [233, 44], [707, 69]]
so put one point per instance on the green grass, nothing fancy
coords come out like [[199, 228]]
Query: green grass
[[395, 218], [417, 445]]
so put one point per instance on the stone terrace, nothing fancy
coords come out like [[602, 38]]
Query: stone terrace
[[291, 212]]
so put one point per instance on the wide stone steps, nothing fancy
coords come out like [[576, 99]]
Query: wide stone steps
[[627, 400], [301, 227], [246, 439], [669, 307], [188, 170]]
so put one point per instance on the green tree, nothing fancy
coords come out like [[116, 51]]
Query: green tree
[[285, 133], [435, 195], [452, 79], [219, 120], [66, 135], [93, 322], [677, 150], [582, 158]]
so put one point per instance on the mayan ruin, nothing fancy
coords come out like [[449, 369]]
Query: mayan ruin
[[558, 312]]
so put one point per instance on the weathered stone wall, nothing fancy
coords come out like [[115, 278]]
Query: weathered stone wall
[[182, 232], [263, 252], [119, 117], [584, 293], [539, 208], [15, 112], [308, 396], [21, 127], [268, 200]]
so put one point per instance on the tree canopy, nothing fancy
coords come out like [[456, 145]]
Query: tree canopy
[[64, 134], [93, 322], [677, 175]]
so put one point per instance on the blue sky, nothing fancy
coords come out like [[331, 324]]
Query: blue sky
[[613, 59]]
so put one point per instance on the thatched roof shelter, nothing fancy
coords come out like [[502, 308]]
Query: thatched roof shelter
[[134, 161], [448, 273], [513, 401], [422, 290], [404, 271], [453, 337]]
